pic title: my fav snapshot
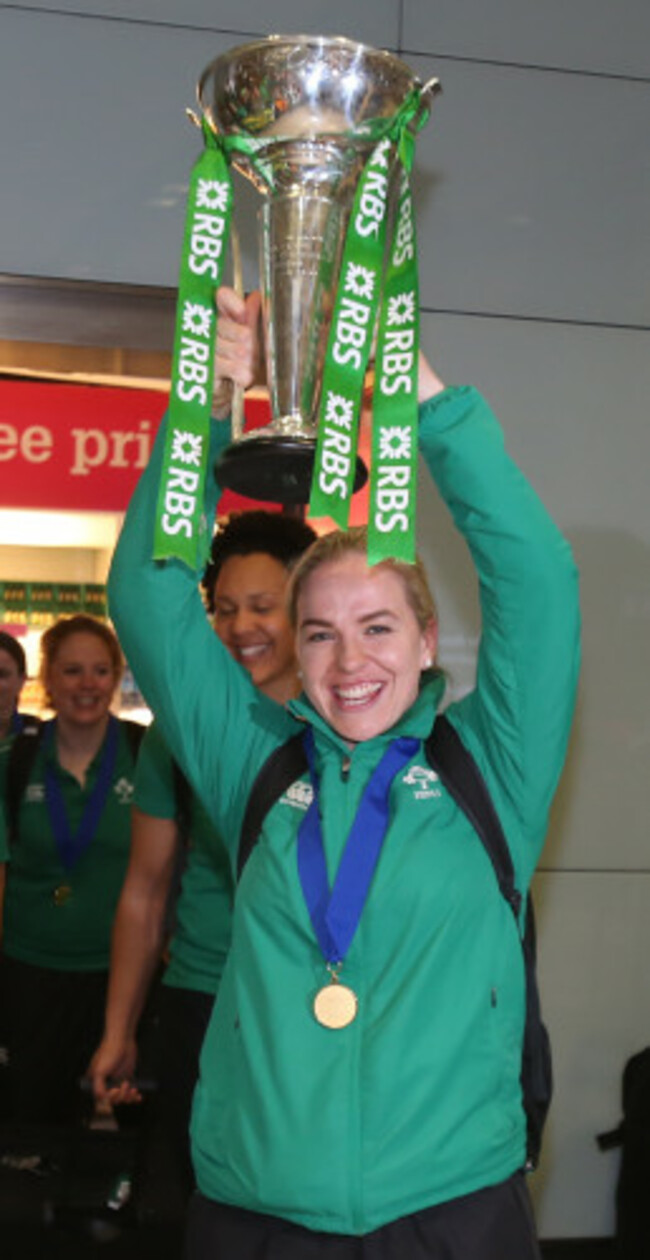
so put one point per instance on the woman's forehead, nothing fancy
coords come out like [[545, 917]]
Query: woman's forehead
[[82, 645], [258, 568], [350, 581]]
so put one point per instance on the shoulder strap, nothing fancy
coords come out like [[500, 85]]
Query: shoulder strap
[[22, 755], [285, 764], [461, 776]]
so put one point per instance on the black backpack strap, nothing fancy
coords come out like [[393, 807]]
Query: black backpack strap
[[462, 778], [22, 756], [286, 764]]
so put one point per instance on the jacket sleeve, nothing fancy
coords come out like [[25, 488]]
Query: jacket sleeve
[[516, 722], [214, 721]]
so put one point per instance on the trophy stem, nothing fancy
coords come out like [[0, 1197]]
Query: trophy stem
[[301, 243]]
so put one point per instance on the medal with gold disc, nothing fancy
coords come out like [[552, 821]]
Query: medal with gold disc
[[72, 844], [336, 1004], [336, 913]]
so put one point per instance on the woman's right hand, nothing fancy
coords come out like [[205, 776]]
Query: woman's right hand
[[112, 1070], [238, 356]]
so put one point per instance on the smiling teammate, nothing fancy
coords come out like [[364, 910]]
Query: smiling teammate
[[359, 1091], [68, 859]]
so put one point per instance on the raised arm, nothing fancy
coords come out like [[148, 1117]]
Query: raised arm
[[201, 698], [517, 719]]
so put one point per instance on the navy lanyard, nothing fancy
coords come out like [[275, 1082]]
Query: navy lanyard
[[71, 847], [336, 915], [17, 722]]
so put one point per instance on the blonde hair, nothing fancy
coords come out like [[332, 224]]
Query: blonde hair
[[340, 543]]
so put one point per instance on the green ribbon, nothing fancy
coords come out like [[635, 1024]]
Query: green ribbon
[[393, 469], [391, 525], [180, 530], [350, 341]]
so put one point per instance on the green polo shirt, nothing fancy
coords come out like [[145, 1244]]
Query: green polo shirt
[[203, 912], [55, 917]]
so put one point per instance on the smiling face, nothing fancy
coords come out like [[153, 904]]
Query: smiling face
[[360, 647], [81, 679], [251, 620], [11, 681]]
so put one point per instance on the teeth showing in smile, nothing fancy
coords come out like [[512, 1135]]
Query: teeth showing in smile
[[359, 693], [255, 649]]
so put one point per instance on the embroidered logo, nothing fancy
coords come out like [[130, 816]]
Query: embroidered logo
[[424, 780], [300, 795], [35, 793], [124, 791]]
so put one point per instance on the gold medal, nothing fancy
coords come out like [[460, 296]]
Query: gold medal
[[335, 1005], [61, 894]]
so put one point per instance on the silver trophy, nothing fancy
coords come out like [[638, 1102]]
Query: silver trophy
[[304, 100]]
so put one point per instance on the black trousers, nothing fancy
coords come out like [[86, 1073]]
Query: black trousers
[[53, 1024], [168, 1180], [492, 1224]]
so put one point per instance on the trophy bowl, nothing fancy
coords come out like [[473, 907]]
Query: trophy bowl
[[306, 105]]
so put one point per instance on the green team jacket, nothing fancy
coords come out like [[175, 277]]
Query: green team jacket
[[418, 1100], [203, 910]]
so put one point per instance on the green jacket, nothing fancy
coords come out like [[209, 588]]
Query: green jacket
[[418, 1100]]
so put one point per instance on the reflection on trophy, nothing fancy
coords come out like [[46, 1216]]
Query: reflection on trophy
[[308, 106]]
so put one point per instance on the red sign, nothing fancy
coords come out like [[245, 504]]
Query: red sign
[[83, 447]]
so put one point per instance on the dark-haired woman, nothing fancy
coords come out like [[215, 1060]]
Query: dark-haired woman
[[69, 849]]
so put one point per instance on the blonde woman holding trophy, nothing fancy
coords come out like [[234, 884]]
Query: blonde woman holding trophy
[[359, 1090]]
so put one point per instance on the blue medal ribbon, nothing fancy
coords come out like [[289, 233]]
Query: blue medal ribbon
[[71, 847], [335, 915], [17, 722]]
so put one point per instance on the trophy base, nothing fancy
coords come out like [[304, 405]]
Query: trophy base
[[275, 469]]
